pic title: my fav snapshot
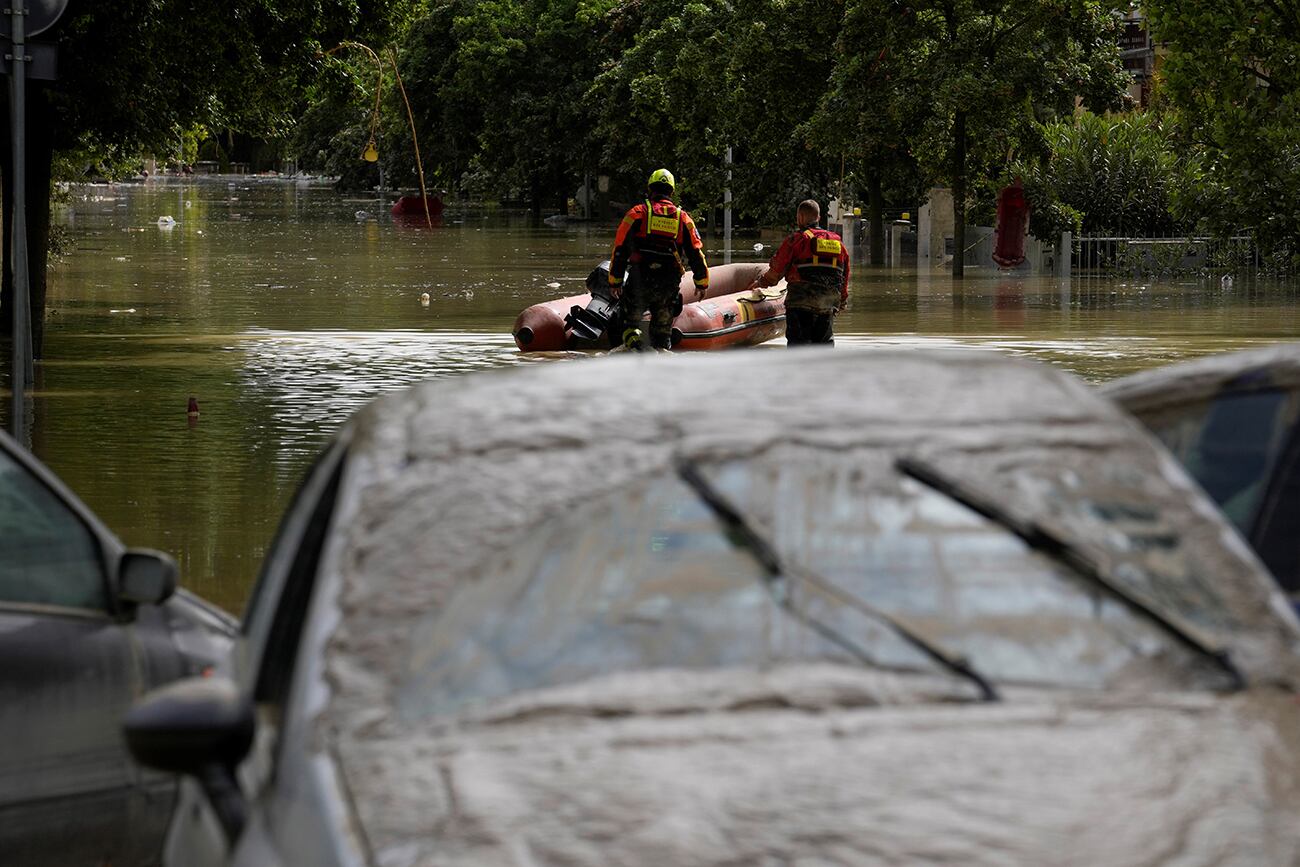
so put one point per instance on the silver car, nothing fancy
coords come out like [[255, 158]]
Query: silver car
[[757, 608], [86, 627], [1233, 420]]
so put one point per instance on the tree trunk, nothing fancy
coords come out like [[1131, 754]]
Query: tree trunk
[[534, 199], [959, 195], [562, 185], [40, 157], [875, 216]]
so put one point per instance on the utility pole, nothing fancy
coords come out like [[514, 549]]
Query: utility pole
[[38, 61], [23, 368], [726, 214]]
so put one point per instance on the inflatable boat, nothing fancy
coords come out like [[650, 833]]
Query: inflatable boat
[[728, 315]]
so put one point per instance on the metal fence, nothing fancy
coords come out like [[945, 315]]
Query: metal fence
[[1172, 256]]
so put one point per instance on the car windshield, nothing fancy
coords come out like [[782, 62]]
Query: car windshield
[[652, 579]]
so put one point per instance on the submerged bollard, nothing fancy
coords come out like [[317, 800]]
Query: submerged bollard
[[192, 410]]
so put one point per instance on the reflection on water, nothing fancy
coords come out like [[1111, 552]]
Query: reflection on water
[[283, 306], [310, 380]]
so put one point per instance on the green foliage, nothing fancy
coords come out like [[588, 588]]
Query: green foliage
[[499, 93], [527, 95], [142, 75], [660, 95], [697, 78], [1120, 175], [331, 136], [1232, 75], [1002, 65]]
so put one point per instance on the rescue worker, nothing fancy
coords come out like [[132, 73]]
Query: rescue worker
[[652, 241], [815, 266]]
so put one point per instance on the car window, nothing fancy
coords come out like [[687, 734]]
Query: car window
[[1276, 534], [48, 556], [1230, 445], [651, 579]]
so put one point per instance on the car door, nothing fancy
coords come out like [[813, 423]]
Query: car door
[[264, 663], [70, 671]]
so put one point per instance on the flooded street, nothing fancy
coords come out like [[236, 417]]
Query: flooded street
[[282, 309]]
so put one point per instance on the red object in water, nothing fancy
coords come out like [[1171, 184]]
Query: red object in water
[[1013, 218], [193, 409], [413, 206], [727, 316]]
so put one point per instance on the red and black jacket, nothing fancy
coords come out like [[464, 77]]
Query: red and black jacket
[[811, 255], [656, 231]]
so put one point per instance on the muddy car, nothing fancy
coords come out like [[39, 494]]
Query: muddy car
[[86, 627], [1233, 420], [755, 608]]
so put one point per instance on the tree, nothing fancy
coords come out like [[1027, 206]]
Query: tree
[[985, 70], [689, 81], [447, 115], [502, 90], [136, 75], [1232, 78], [1125, 174], [659, 95], [872, 117], [777, 74]]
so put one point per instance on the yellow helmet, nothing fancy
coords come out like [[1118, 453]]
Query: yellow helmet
[[662, 176]]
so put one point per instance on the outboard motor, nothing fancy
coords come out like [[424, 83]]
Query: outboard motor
[[588, 324]]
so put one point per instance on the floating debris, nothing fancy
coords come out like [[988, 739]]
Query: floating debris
[[758, 248], [166, 220], [424, 299], [122, 310], [553, 285]]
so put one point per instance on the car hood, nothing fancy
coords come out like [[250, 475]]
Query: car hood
[[825, 765]]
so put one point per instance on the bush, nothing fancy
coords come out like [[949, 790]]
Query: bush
[[1121, 175]]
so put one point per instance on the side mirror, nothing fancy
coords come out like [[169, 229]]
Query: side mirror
[[190, 724], [146, 577], [201, 727]]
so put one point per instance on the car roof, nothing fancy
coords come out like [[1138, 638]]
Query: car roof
[[1268, 367], [443, 477]]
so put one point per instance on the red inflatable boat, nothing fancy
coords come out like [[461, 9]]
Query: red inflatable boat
[[727, 316]]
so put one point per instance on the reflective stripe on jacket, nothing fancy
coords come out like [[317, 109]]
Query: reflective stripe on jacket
[[822, 259], [656, 231], [815, 266]]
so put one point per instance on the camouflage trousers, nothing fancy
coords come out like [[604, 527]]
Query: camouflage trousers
[[658, 294]]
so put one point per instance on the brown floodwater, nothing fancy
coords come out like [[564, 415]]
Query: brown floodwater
[[283, 306]]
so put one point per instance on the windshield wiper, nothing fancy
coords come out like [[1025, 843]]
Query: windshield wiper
[[743, 534], [1064, 550]]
